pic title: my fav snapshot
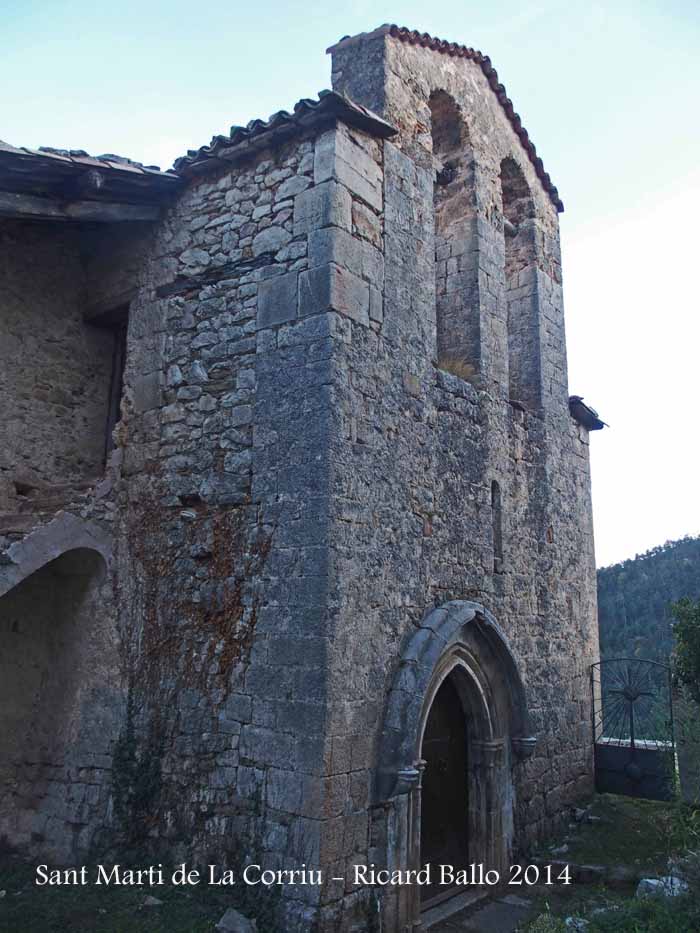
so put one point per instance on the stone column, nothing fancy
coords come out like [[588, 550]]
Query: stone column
[[489, 840]]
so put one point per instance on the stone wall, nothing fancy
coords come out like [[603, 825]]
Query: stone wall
[[63, 689], [221, 568], [54, 369], [113, 259], [216, 498]]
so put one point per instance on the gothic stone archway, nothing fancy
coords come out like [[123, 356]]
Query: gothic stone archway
[[459, 644]]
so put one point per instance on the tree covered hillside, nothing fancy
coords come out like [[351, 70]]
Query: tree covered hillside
[[634, 596]]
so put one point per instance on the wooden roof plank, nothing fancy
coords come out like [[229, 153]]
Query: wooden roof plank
[[28, 206]]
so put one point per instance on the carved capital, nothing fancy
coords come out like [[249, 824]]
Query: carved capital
[[408, 779], [523, 746], [488, 753]]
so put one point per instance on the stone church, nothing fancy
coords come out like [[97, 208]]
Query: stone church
[[296, 553]]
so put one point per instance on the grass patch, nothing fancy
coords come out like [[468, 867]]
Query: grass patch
[[630, 915], [639, 833], [651, 915], [553, 904], [27, 908], [459, 367]]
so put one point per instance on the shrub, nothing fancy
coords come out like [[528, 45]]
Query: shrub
[[651, 915], [547, 923], [459, 367]]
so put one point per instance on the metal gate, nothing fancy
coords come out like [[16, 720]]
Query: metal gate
[[633, 728]]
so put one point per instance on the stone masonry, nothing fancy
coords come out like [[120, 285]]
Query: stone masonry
[[343, 469]]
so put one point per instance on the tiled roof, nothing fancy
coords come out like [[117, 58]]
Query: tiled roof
[[56, 172], [454, 50], [259, 133]]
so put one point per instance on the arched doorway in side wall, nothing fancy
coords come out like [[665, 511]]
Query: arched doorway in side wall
[[60, 705], [444, 789]]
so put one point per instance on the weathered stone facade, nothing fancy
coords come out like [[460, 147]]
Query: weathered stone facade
[[345, 470]]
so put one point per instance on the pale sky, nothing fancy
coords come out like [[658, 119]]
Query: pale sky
[[608, 91]]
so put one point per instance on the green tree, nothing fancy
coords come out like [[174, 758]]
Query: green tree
[[634, 598], [686, 631]]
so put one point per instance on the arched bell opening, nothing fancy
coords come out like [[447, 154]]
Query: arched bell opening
[[520, 279], [456, 240]]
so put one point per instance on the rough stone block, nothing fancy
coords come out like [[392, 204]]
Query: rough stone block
[[235, 922], [376, 305], [265, 746], [146, 392], [292, 186], [332, 244], [285, 790], [339, 157], [270, 240], [328, 204], [367, 224], [277, 300], [290, 651], [331, 288]]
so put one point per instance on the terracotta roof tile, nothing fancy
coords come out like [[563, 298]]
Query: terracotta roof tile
[[306, 112]]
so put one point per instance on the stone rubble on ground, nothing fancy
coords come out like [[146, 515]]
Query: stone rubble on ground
[[152, 902], [598, 911], [667, 886], [235, 922]]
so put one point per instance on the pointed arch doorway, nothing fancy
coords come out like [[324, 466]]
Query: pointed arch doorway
[[457, 698], [444, 787]]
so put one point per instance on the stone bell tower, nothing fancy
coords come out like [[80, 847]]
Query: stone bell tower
[[462, 482]]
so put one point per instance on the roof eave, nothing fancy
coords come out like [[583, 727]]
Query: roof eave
[[60, 179], [258, 135]]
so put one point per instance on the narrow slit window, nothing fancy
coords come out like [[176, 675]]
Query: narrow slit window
[[117, 384], [115, 321], [497, 523]]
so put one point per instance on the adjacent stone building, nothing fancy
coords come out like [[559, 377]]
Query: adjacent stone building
[[296, 556]]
